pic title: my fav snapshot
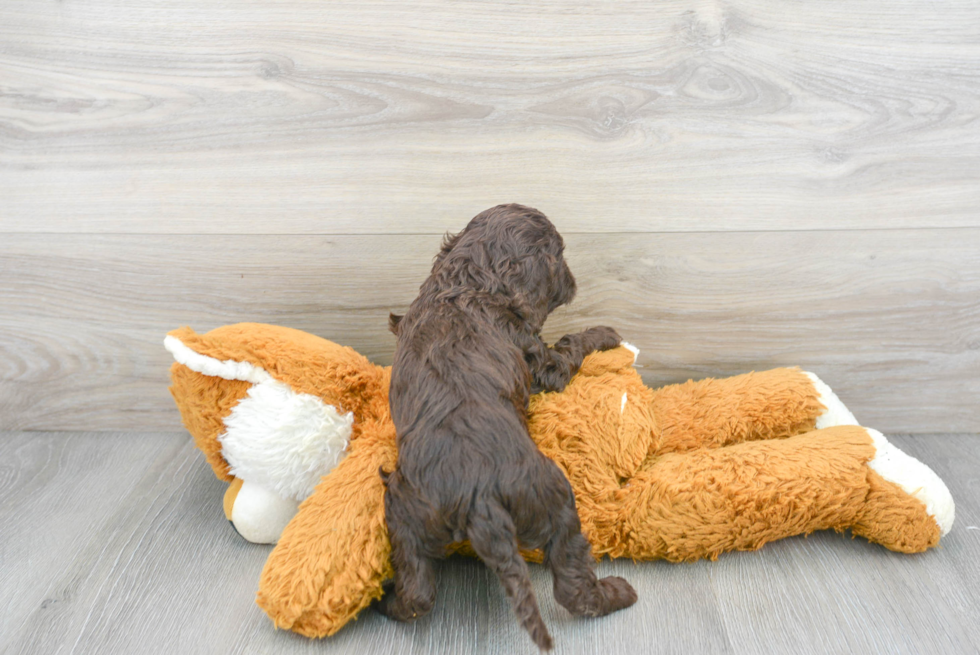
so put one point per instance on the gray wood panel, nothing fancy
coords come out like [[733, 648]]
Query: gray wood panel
[[100, 555], [890, 319], [386, 117], [62, 497]]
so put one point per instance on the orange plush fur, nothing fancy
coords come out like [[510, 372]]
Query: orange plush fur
[[680, 473]]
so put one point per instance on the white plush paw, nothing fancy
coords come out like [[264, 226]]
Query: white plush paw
[[260, 515], [915, 478], [836, 412]]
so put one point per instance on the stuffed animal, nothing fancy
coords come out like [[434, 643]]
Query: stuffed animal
[[683, 472]]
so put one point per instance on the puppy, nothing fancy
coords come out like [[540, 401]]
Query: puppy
[[469, 353]]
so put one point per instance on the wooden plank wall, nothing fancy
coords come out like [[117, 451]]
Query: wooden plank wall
[[741, 184]]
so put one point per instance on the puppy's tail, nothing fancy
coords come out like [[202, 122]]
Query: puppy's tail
[[493, 536]]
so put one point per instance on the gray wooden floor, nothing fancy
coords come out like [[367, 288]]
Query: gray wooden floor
[[115, 543]]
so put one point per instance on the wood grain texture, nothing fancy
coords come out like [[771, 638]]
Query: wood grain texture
[[410, 117], [101, 555], [890, 319], [62, 497]]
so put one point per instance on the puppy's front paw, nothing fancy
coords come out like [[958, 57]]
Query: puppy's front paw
[[603, 338]]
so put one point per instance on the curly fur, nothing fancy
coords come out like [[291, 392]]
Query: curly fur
[[469, 354]]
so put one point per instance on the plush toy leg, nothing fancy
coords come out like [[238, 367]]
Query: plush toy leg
[[702, 503], [766, 405], [315, 581]]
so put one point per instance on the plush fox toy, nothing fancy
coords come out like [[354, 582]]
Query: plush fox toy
[[300, 427]]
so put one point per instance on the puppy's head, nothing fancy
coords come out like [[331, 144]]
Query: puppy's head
[[512, 250]]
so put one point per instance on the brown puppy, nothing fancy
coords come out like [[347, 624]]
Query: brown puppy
[[469, 352]]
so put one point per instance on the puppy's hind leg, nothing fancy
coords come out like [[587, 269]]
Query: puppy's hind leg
[[494, 538], [569, 557], [414, 591]]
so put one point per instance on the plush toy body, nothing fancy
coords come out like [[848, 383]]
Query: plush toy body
[[682, 472]]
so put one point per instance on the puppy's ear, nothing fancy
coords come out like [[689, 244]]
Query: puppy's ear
[[526, 281], [393, 321], [563, 286], [535, 273]]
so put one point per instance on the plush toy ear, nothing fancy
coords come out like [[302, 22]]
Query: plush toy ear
[[609, 361], [333, 556]]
